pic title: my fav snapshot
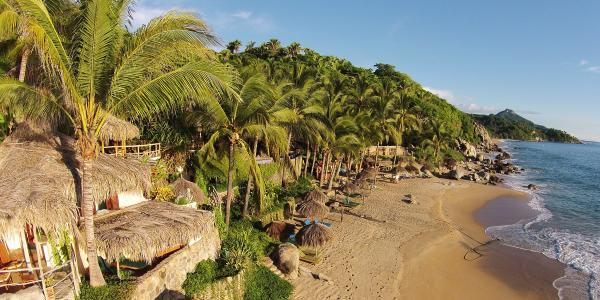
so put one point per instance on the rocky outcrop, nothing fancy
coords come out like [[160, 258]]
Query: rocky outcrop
[[467, 149], [456, 174], [288, 260]]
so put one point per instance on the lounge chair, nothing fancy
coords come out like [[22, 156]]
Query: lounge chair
[[310, 256]]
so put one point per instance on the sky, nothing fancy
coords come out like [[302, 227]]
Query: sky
[[539, 58]]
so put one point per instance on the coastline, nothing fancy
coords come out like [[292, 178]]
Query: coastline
[[388, 249]]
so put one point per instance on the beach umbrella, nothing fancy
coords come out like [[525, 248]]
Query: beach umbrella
[[312, 209], [314, 235], [316, 196], [279, 230]]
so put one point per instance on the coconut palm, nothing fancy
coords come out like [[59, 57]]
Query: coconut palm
[[108, 71], [273, 46], [234, 46], [294, 49], [382, 113], [230, 121], [438, 138]]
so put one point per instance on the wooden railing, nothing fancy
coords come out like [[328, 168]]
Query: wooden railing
[[135, 151]]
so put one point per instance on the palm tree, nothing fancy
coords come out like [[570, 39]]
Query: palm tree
[[273, 46], [294, 49], [230, 121], [234, 46], [138, 75], [382, 113], [438, 138]]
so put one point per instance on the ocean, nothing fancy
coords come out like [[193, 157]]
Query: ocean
[[568, 200]]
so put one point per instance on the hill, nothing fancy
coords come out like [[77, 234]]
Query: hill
[[507, 124]]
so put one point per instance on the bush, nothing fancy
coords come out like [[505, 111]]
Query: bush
[[204, 274], [299, 188], [244, 244], [261, 284], [114, 289], [163, 193]]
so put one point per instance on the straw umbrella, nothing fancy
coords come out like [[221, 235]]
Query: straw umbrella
[[314, 235], [313, 210], [279, 230], [117, 130], [316, 196]]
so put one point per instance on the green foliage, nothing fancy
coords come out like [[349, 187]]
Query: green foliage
[[452, 154], [244, 244], [262, 284], [299, 188], [204, 274], [268, 170], [114, 289], [201, 181], [60, 246], [182, 201], [163, 193]]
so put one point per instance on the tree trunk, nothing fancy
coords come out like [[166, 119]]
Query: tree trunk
[[87, 203], [362, 157], [286, 161], [316, 156], [377, 155], [229, 198], [307, 159], [395, 154], [323, 169], [250, 180], [23, 66], [335, 170]]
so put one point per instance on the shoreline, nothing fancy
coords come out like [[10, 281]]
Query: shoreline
[[493, 270], [392, 250]]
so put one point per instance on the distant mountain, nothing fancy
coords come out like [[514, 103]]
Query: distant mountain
[[507, 124]]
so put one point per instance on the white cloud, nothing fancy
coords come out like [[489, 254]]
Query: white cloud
[[143, 14], [471, 108], [594, 69], [583, 62], [242, 14], [445, 94], [247, 20]]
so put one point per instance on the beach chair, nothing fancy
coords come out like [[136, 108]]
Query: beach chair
[[347, 202], [310, 256]]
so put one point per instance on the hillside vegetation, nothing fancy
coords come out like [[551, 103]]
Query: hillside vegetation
[[508, 124]]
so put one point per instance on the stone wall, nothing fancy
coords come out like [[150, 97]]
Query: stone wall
[[230, 288], [164, 280]]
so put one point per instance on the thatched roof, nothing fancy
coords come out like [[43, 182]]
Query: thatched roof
[[188, 189], [279, 230], [314, 235], [316, 196], [141, 231], [312, 209], [116, 129], [41, 178]]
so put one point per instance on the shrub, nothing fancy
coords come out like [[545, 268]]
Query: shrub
[[204, 274], [299, 188], [261, 283], [114, 289], [163, 193], [244, 244]]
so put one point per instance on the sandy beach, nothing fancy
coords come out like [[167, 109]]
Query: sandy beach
[[388, 249]]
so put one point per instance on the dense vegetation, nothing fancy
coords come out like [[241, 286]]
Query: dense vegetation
[[509, 125]]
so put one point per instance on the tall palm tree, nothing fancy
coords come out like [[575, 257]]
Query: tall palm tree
[[294, 49], [273, 46], [234, 46], [382, 113], [138, 75], [438, 139], [230, 120]]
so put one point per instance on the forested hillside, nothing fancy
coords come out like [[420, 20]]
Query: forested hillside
[[508, 124]]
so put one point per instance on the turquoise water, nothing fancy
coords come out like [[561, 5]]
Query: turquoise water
[[568, 226]]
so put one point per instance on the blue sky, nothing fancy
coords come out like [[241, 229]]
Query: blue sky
[[540, 58]]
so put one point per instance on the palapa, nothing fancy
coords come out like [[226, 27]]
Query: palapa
[[41, 180], [316, 196], [115, 129], [142, 231], [314, 235], [312, 210], [189, 190]]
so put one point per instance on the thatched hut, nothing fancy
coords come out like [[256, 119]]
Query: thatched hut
[[144, 231], [116, 129], [188, 190], [314, 235], [42, 178], [312, 210]]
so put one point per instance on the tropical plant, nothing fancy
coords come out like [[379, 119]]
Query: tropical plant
[[108, 71]]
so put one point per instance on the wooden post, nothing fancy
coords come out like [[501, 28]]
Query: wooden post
[[38, 251], [119, 268], [74, 271], [26, 254]]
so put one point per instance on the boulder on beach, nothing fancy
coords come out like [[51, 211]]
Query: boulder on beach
[[532, 187], [456, 174], [288, 259]]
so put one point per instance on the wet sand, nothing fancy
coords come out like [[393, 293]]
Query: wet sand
[[392, 250]]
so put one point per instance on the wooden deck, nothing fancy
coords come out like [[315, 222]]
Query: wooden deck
[[148, 151]]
